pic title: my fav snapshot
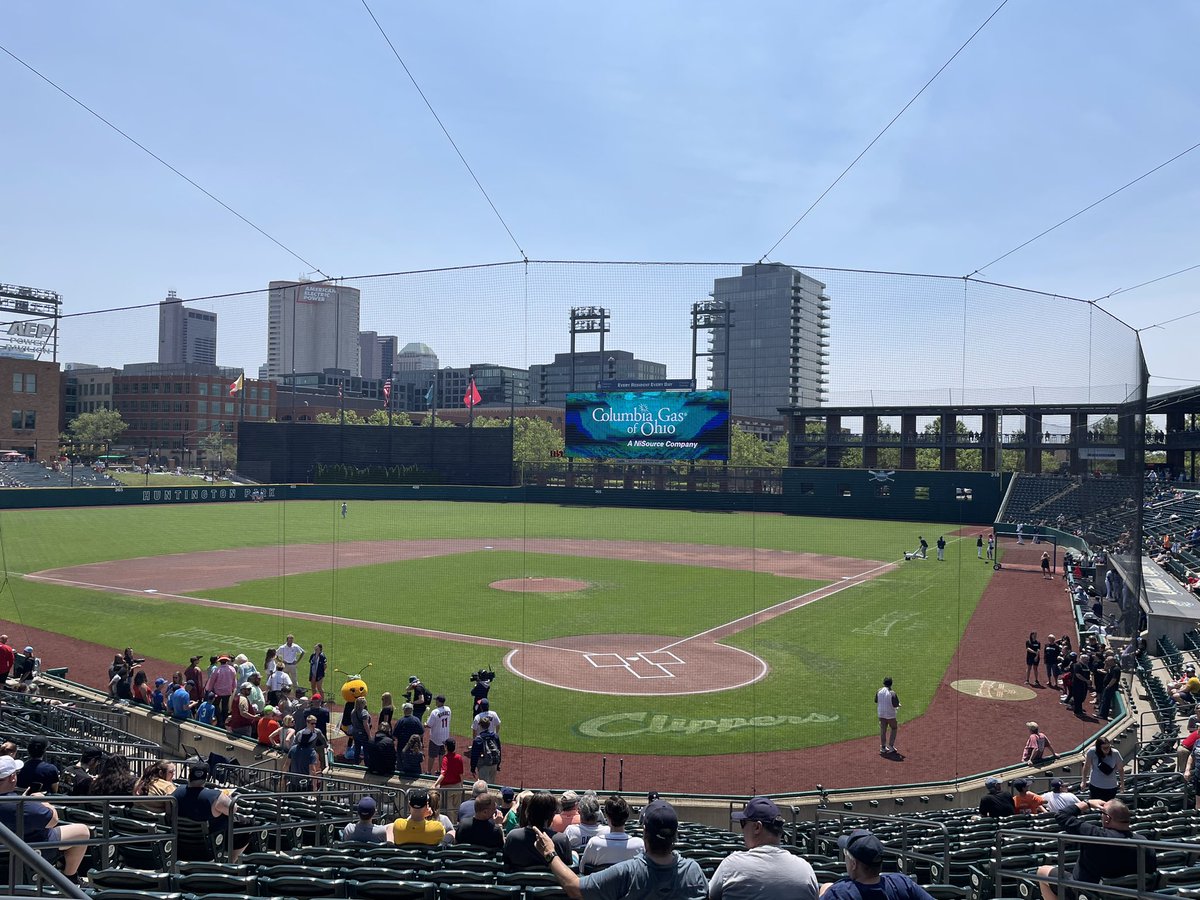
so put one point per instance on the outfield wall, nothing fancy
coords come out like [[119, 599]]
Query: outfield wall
[[925, 496]]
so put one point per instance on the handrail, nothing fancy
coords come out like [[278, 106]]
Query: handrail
[[22, 854], [1061, 880], [905, 822]]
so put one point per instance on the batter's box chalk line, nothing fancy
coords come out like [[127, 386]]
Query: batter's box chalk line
[[662, 658], [612, 660]]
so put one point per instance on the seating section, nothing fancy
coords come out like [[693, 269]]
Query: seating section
[[31, 474]]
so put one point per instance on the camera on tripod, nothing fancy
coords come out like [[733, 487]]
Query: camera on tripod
[[483, 675]]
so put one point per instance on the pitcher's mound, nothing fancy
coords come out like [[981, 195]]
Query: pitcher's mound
[[533, 585]]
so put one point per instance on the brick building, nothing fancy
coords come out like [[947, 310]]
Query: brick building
[[29, 418]]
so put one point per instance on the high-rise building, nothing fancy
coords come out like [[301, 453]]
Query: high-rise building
[[369, 365], [549, 383], [185, 335], [415, 357], [388, 345], [311, 327], [778, 342]]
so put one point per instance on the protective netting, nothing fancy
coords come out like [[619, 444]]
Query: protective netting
[[625, 625]]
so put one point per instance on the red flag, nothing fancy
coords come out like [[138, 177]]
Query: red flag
[[237, 385], [387, 392], [472, 397], [340, 394]]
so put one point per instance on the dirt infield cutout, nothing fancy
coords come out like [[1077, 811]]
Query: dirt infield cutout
[[533, 584]]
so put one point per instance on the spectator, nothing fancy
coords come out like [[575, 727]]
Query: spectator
[[568, 805], [1191, 769], [306, 756], [407, 726], [8, 656], [316, 707], [480, 830], [1036, 745], [659, 871], [507, 796], [521, 850], [37, 771], [450, 778], [257, 698], [267, 725], [764, 870], [243, 720], [365, 831], [194, 679], [512, 818], [386, 713], [276, 682], [1098, 861], [1057, 799], [25, 668], [157, 781], [39, 821], [1103, 770], [317, 663], [466, 809], [360, 729], [77, 779], [181, 702], [8, 748], [223, 683], [244, 667], [995, 803], [863, 853], [486, 755], [206, 712], [435, 812], [381, 755], [283, 736], [485, 716], [1050, 656], [113, 778], [141, 686], [418, 695], [588, 826], [411, 758], [615, 845], [1024, 800], [417, 829], [199, 803]]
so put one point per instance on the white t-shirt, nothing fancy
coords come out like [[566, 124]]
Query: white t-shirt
[[477, 722], [765, 873], [579, 834], [1058, 801], [883, 703], [279, 680], [438, 723], [609, 849], [290, 655]]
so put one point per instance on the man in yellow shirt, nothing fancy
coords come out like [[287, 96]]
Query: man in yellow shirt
[[417, 829]]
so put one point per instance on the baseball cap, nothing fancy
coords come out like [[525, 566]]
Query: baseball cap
[[863, 846], [569, 799], [412, 679], [10, 766], [1020, 784], [759, 809], [1056, 784], [659, 820], [407, 707], [1193, 722], [158, 681], [440, 698], [992, 784], [222, 658], [508, 794], [246, 686], [28, 649], [195, 659], [366, 806], [317, 697], [268, 710], [418, 797], [1033, 725], [198, 772]]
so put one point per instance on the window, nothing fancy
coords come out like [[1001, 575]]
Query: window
[[16, 419], [202, 406], [31, 418], [964, 494], [18, 382], [31, 383], [921, 493], [202, 424], [229, 409], [844, 490], [203, 386], [107, 389], [883, 490]]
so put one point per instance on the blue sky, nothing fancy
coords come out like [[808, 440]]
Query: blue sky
[[624, 131]]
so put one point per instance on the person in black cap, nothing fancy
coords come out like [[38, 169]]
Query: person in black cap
[[659, 872], [865, 878], [1058, 799], [996, 803], [199, 803], [77, 779], [764, 870]]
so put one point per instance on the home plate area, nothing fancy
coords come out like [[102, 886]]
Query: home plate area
[[635, 664]]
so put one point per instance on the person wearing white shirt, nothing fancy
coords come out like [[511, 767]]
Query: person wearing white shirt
[[616, 846], [278, 680], [290, 653], [1057, 799]]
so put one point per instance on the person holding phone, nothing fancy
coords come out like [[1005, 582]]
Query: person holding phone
[[39, 820]]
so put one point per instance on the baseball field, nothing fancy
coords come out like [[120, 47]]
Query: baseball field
[[617, 631]]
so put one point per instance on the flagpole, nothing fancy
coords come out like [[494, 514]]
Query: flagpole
[[389, 402], [471, 394]]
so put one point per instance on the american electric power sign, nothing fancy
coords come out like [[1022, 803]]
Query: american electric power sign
[[650, 425]]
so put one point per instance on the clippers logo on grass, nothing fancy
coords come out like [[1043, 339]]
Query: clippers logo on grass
[[629, 724], [650, 425]]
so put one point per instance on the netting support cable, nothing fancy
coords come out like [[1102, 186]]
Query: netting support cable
[[445, 130], [893, 121], [1147, 283], [207, 193], [1090, 206]]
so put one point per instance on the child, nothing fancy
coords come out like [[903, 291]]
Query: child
[[207, 710], [158, 702]]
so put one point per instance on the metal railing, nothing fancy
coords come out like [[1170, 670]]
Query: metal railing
[[23, 857], [904, 853]]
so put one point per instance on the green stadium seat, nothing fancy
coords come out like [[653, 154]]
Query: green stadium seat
[[393, 890], [129, 879]]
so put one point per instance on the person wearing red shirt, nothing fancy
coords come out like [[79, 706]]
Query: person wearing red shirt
[[267, 725], [450, 779], [8, 656]]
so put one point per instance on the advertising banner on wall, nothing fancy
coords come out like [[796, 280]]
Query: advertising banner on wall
[[648, 425]]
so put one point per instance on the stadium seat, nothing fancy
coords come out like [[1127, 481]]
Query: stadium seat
[[129, 879], [480, 892], [394, 890], [301, 886], [214, 883]]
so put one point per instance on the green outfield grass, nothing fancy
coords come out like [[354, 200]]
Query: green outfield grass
[[826, 659]]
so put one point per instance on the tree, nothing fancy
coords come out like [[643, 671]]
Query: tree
[[535, 440], [97, 429], [746, 449], [400, 418]]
